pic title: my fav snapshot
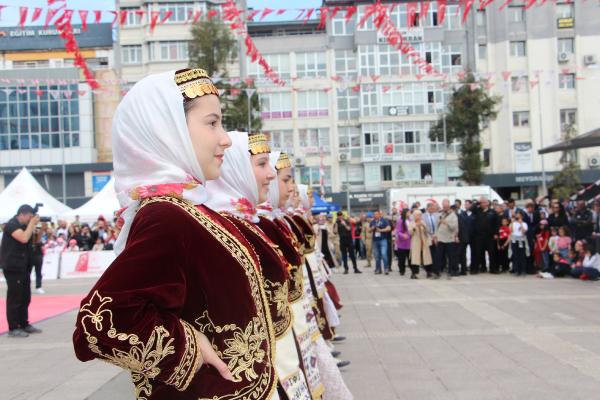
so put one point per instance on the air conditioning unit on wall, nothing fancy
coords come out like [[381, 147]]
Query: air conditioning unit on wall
[[563, 57], [594, 162], [344, 157], [589, 59], [299, 162]]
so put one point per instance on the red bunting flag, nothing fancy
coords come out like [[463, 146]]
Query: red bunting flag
[[252, 14], [123, 17], [197, 15], [212, 13], [265, 12], [386, 89], [375, 78], [506, 75], [166, 17], [281, 11], [116, 17], [83, 16], [36, 14], [411, 12], [484, 3], [350, 11], [441, 9], [466, 6], [356, 88], [323, 17], [424, 10], [309, 13], [23, 15], [154, 15], [529, 4], [97, 16], [506, 3]]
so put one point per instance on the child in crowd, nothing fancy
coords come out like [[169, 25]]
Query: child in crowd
[[503, 243], [540, 251], [99, 245], [590, 265], [564, 241]]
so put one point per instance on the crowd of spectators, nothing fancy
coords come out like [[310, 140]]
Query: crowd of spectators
[[546, 237]]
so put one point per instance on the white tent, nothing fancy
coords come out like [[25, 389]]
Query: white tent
[[24, 189], [104, 203]]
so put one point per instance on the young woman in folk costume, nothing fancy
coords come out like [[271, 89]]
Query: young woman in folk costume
[[188, 321], [244, 183], [310, 340]]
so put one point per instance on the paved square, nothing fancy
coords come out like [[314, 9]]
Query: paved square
[[481, 337]]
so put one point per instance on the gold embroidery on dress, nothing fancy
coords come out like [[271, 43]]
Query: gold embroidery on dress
[[142, 359], [265, 385], [296, 289], [278, 295], [185, 371]]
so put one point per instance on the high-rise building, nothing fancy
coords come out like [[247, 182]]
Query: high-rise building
[[49, 116]]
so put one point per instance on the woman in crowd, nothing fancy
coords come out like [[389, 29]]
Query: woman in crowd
[[503, 243], [590, 265], [402, 239], [564, 241], [244, 183], [420, 240], [182, 307]]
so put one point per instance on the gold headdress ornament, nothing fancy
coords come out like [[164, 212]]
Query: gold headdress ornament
[[309, 192], [194, 83], [258, 144], [283, 161]]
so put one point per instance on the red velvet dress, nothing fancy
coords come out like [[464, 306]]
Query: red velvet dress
[[184, 269]]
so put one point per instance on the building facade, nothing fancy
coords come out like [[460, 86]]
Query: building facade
[[48, 112]]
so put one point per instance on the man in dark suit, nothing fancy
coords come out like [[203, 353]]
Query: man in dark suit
[[531, 216], [466, 228], [485, 235], [511, 209]]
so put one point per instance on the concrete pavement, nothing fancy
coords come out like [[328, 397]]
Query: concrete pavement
[[480, 337]]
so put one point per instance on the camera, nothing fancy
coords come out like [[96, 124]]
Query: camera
[[36, 209]]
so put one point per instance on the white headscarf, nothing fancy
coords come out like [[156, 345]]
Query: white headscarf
[[273, 196], [152, 147], [235, 191]]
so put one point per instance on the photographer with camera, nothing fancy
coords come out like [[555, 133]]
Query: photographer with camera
[[16, 258]]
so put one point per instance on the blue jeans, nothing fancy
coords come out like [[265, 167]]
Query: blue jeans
[[381, 252]]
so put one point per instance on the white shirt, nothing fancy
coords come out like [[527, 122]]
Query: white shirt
[[516, 231], [592, 262]]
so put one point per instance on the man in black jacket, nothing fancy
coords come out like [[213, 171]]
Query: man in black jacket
[[558, 216], [582, 222], [531, 216], [15, 258], [485, 235], [466, 227], [344, 231]]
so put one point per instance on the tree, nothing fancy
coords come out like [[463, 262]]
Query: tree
[[469, 109], [566, 182], [212, 45]]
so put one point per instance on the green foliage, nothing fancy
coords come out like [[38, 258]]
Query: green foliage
[[566, 182], [212, 45], [467, 112]]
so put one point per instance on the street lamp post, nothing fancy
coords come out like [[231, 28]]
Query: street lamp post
[[544, 186], [249, 92], [445, 148]]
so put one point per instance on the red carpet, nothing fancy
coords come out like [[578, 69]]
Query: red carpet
[[43, 307]]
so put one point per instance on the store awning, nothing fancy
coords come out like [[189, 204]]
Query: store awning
[[590, 139], [321, 206]]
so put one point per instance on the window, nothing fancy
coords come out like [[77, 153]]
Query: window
[[452, 19], [347, 103], [386, 173], [521, 118], [168, 51], [564, 11], [276, 105], [311, 65], [282, 140], [389, 59], [279, 62], [312, 176], [481, 19], [367, 60], [369, 100], [519, 84], [180, 12], [566, 45], [314, 140], [568, 117], [371, 139], [131, 54], [341, 28], [518, 49], [352, 173], [516, 14], [345, 63], [452, 58], [368, 25], [134, 16], [349, 140], [482, 51], [312, 103], [35, 116], [566, 81]]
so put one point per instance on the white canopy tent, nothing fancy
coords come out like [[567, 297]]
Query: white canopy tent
[[104, 203], [24, 189]]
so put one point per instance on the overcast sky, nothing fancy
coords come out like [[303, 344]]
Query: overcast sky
[[10, 14]]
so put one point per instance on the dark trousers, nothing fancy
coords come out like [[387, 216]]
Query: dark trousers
[[18, 297], [347, 248], [359, 248], [461, 255], [518, 257], [484, 245], [328, 257], [38, 261], [431, 268], [402, 255], [445, 254], [503, 262]]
